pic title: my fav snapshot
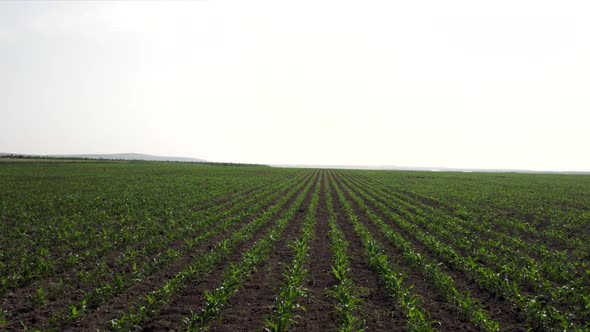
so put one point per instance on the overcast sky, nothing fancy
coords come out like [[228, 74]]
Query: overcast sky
[[482, 84]]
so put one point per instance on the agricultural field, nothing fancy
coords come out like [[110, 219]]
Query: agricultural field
[[154, 246]]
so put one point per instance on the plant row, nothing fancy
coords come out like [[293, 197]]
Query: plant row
[[295, 274], [237, 274], [444, 284], [105, 285], [201, 266], [520, 272], [410, 303], [537, 314], [345, 290]]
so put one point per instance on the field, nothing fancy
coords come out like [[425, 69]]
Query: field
[[171, 246]]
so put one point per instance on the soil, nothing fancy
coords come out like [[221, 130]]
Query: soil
[[137, 292], [379, 310], [191, 299], [499, 310], [319, 314], [255, 301], [38, 317]]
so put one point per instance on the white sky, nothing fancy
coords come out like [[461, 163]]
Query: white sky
[[483, 84]]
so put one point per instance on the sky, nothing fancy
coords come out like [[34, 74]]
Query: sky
[[471, 84]]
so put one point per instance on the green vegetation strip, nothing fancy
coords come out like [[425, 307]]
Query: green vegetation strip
[[87, 232], [537, 314], [552, 265], [501, 236], [408, 301], [201, 267], [63, 223], [462, 301], [117, 282], [344, 291], [506, 255], [292, 289], [237, 274]]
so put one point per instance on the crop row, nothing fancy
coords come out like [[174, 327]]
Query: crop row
[[537, 313], [127, 247], [345, 290], [95, 283], [295, 273], [55, 230], [202, 265], [418, 319], [542, 209], [536, 258], [444, 283], [516, 269], [114, 282], [236, 275]]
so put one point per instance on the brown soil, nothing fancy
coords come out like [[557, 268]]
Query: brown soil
[[36, 317], [440, 312], [501, 311], [136, 293], [22, 311], [254, 302], [320, 314], [378, 309], [191, 298]]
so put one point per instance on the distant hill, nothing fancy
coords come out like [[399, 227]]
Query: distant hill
[[113, 156]]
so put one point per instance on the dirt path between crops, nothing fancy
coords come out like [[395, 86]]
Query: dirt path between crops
[[378, 309], [442, 313], [136, 293], [255, 302], [499, 310], [22, 311], [320, 313], [191, 297]]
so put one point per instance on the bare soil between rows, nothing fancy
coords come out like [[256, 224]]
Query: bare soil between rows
[[191, 299], [136, 293], [17, 303], [499, 310], [253, 303]]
